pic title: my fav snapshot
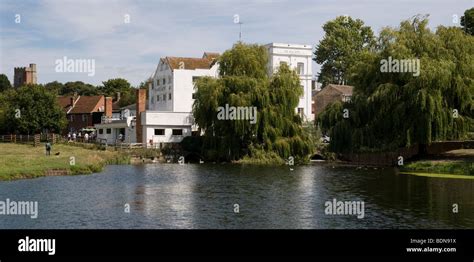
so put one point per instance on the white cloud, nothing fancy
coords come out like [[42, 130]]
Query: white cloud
[[90, 29]]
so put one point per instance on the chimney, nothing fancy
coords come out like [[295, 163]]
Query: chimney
[[108, 107], [71, 101], [141, 104]]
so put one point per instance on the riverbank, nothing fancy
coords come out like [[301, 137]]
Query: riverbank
[[18, 161], [457, 162]]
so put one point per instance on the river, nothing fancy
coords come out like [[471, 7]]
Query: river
[[215, 196]]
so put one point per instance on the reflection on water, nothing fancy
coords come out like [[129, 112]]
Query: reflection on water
[[203, 196]]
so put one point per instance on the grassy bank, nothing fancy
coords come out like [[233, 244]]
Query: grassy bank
[[25, 161], [453, 167]]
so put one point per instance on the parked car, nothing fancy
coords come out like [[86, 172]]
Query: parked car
[[325, 139]]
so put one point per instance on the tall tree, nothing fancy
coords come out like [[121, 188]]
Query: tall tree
[[4, 83], [345, 38], [397, 109], [467, 21], [32, 109], [244, 82]]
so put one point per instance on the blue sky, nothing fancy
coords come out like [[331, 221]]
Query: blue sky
[[87, 29]]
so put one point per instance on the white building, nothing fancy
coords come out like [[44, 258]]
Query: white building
[[119, 128], [299, 58], [166, 127], [173, 82], [170, 98]]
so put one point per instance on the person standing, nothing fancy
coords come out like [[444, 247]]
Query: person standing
[[48, 148], [86, 137]]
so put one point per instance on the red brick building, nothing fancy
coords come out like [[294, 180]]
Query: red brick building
[[330, 94], [85, 111]]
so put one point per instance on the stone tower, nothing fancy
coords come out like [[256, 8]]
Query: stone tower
[[24, 75]]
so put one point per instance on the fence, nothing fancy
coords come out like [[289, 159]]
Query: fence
[[30, 139]]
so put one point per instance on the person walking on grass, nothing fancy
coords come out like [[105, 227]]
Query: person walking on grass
[[48, 148]]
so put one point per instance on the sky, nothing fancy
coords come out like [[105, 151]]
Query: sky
[[126, 38]]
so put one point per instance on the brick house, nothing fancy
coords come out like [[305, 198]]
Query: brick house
[[84, 111], [329, 94]]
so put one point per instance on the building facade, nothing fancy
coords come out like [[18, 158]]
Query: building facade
[[170, 98], [173, 81], [330, 94], [84, 111], [24, 75], [299, 58], [119, 128]]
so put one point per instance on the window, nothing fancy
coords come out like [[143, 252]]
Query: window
[[301, 111], [159, 132], [152, 100], [302, 88], [346, 98], [158, 98], [101, 131], [177, 132], [300, 68], [194, 95], [109, 131], [169, 96], [164, 81], [164, 97]]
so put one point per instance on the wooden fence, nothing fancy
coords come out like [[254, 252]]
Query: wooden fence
[[35, 140]]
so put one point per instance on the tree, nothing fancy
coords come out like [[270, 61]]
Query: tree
[[467, 21], [32, 109], [4, 83], [345, 38], [392, 110], [54, 87], [80, 88], [244, 82], [118, 85]]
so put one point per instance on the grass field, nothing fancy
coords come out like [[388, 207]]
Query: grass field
[[19, 161]]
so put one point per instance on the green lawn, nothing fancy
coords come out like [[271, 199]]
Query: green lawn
[[25, 161]]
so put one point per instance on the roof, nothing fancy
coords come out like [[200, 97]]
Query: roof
[[210, 55], [191, 63], [82, 104], [65, 102], [345, 90], [130, 107], [289, 45]]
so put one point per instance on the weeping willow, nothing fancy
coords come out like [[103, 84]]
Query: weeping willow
[[392, 110], [244, 82]]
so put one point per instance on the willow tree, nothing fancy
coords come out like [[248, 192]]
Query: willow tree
[[345, 38], [244, 82], [391, 110]]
